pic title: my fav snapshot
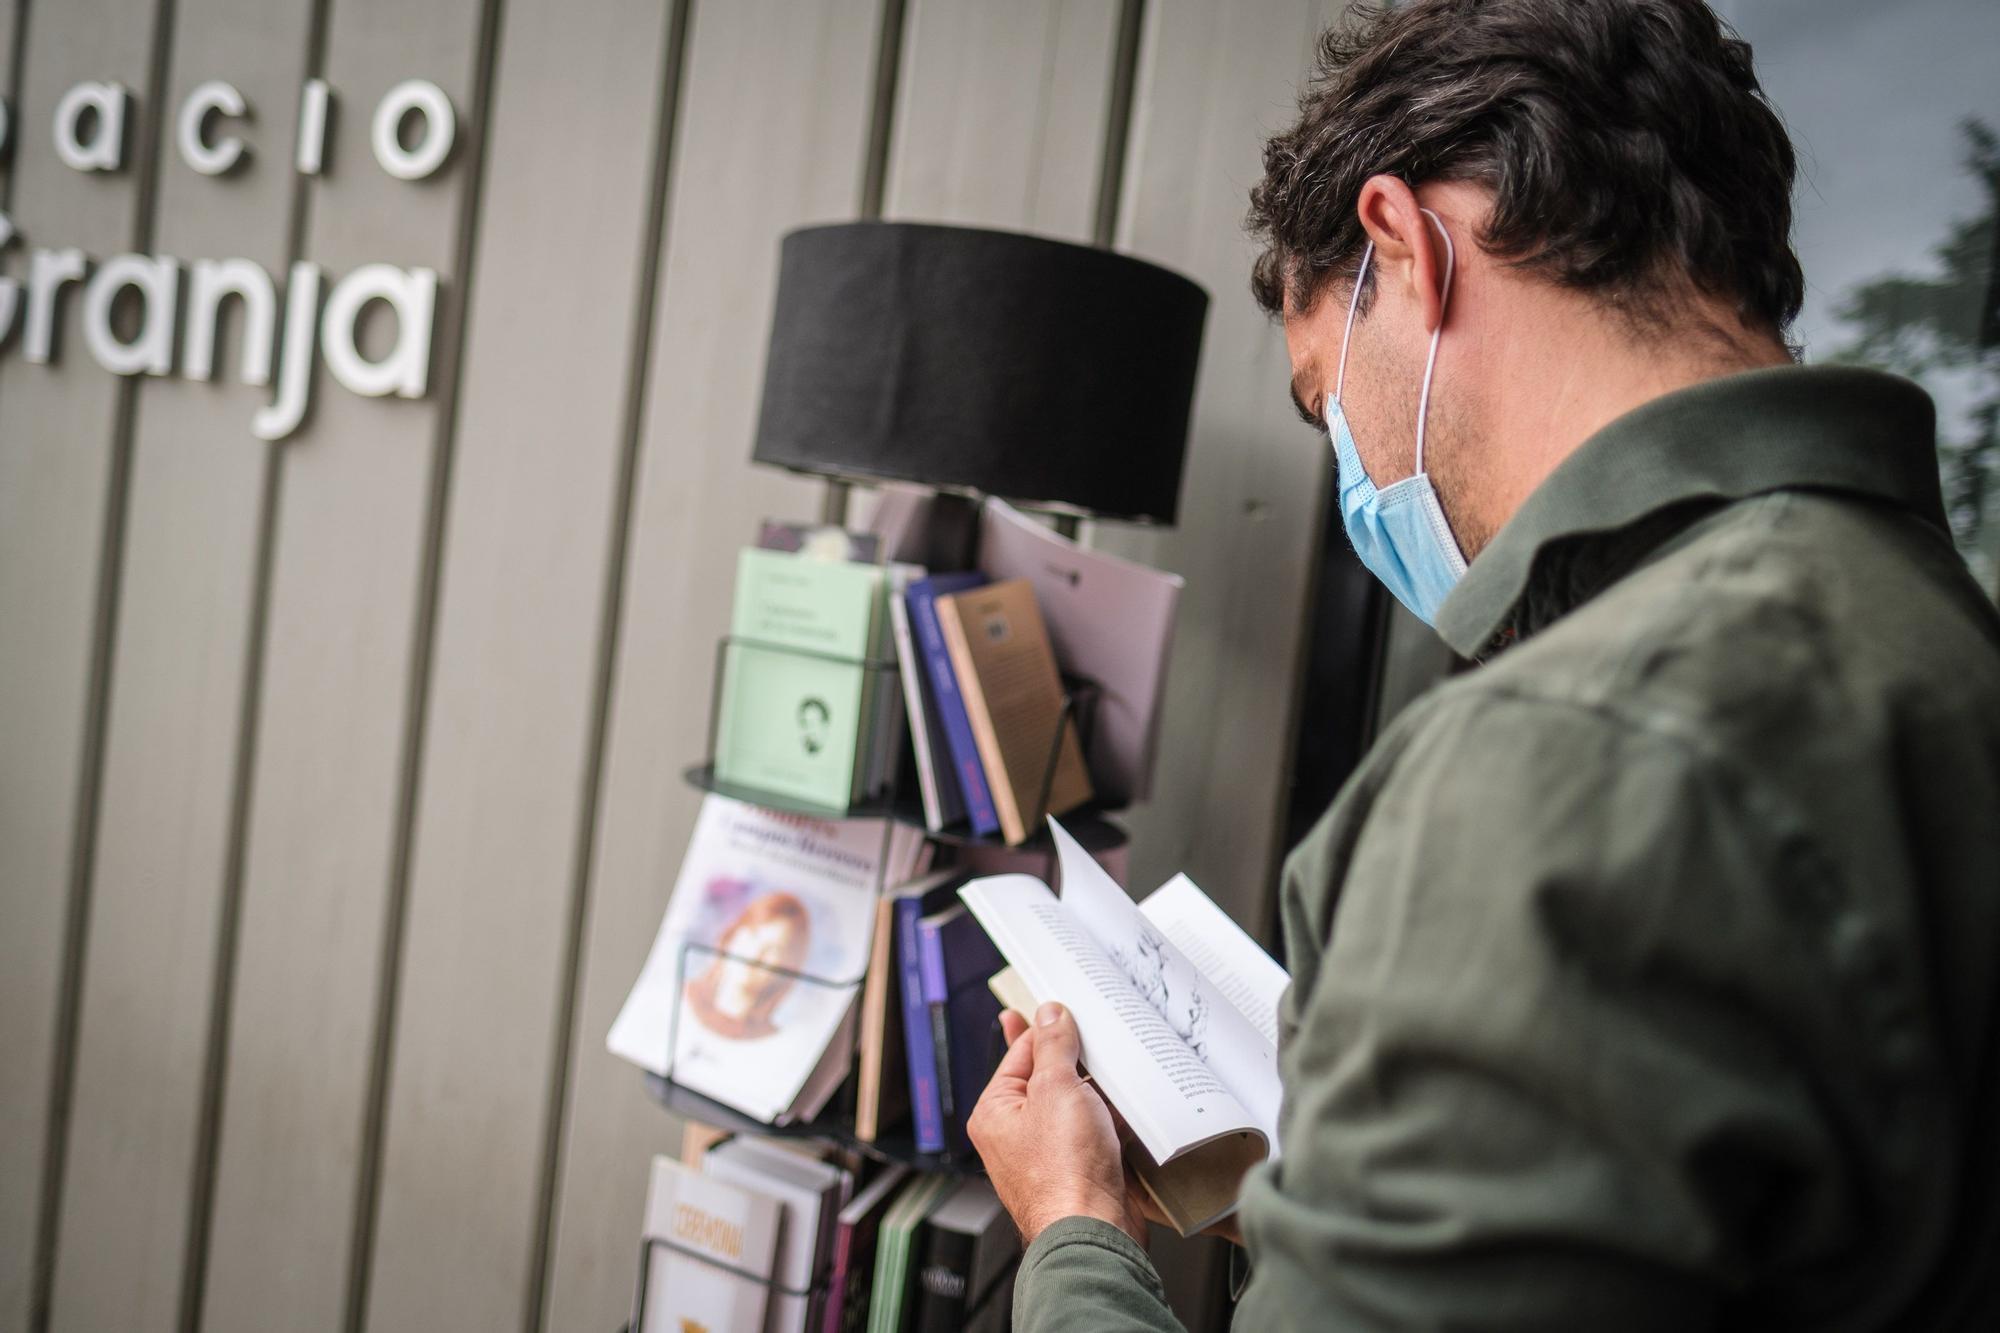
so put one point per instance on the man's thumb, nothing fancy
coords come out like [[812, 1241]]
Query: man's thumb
[[1058, 1046]]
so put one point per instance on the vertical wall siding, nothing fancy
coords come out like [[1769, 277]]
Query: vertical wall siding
[[358, 504], [1214, 82], [31, 940], [771, 132], [340, 778], [1033, 169], [64, 448], [25, 1035], [540, 446], [157, 959]]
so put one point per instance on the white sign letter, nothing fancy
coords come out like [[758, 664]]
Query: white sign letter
[[210, 159], [282, 417], [412, 294], [48, 272], [106, 149], [411, 164], [312, 127], [158, 281], [210, 281]]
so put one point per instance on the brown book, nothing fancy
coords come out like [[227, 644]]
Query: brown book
[[1006, 672], [881, 1096]]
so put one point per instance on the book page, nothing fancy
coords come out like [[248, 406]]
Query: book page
[[1190, 1002], [1170, 1098], [1248, 978]]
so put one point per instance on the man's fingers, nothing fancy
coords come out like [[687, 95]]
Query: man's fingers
[[1013, 1025], [1019, 1062], [1057, 1043]]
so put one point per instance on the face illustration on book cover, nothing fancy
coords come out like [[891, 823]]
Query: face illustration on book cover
[[758, 937], [815, 720], [759, 957], [736, 995]]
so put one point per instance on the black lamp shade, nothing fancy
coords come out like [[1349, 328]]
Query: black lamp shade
[[1012, 365]]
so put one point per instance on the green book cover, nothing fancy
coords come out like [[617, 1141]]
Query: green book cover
[[791, 725], [890, 1291], [795, 601], [795, 691]]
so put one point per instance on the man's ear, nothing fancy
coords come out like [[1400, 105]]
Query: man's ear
[[1409, 252]]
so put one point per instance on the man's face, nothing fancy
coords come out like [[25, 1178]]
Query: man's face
[[1391, 342], [1385, 365]]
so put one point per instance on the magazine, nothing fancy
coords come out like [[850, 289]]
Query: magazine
[[1111, 621], [746, 993]]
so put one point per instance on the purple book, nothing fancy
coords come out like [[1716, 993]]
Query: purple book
[[926, 1102], [957, 960], [965, 764]]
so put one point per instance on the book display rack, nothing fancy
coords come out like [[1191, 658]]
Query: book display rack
[[835, 1120], [988, 350]]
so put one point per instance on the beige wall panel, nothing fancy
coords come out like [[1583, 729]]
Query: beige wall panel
[[1000, 113], [1214, 82], [771, 134], [534, 492], [184, 615], [24, 1100], [56, 469], [347, 567]]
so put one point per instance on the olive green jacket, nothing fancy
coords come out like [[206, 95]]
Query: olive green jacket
[[1646, 976]]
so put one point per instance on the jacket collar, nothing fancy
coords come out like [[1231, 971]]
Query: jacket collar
[[1839, 429]]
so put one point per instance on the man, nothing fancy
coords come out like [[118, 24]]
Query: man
[[1644, 977]]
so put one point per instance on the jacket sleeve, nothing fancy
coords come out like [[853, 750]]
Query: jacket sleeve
[[1553, 1067], [1082, 1273]]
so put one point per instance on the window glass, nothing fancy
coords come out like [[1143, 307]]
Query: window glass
[[1895, 111]]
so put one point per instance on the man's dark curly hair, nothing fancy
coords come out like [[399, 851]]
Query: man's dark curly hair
[[1627, 145]]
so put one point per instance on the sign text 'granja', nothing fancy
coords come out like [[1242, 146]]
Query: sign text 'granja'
[[412, 132]]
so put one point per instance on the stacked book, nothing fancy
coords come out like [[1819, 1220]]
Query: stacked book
[[758, 1236], [843, 665], [809, 709], [788, 955]]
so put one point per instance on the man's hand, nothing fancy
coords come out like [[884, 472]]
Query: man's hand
[[1046, 1136]]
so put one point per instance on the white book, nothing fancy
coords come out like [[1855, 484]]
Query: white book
[[1177, 1009], [810, 1195], [746, 993], [717, 1242]]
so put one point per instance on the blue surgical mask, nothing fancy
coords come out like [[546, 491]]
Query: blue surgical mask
[[1399, 532]]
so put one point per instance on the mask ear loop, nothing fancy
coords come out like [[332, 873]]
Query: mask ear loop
[[1430, 362], [1347, 335]]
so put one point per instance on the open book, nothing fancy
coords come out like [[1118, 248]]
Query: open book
[[1178, 1011]]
